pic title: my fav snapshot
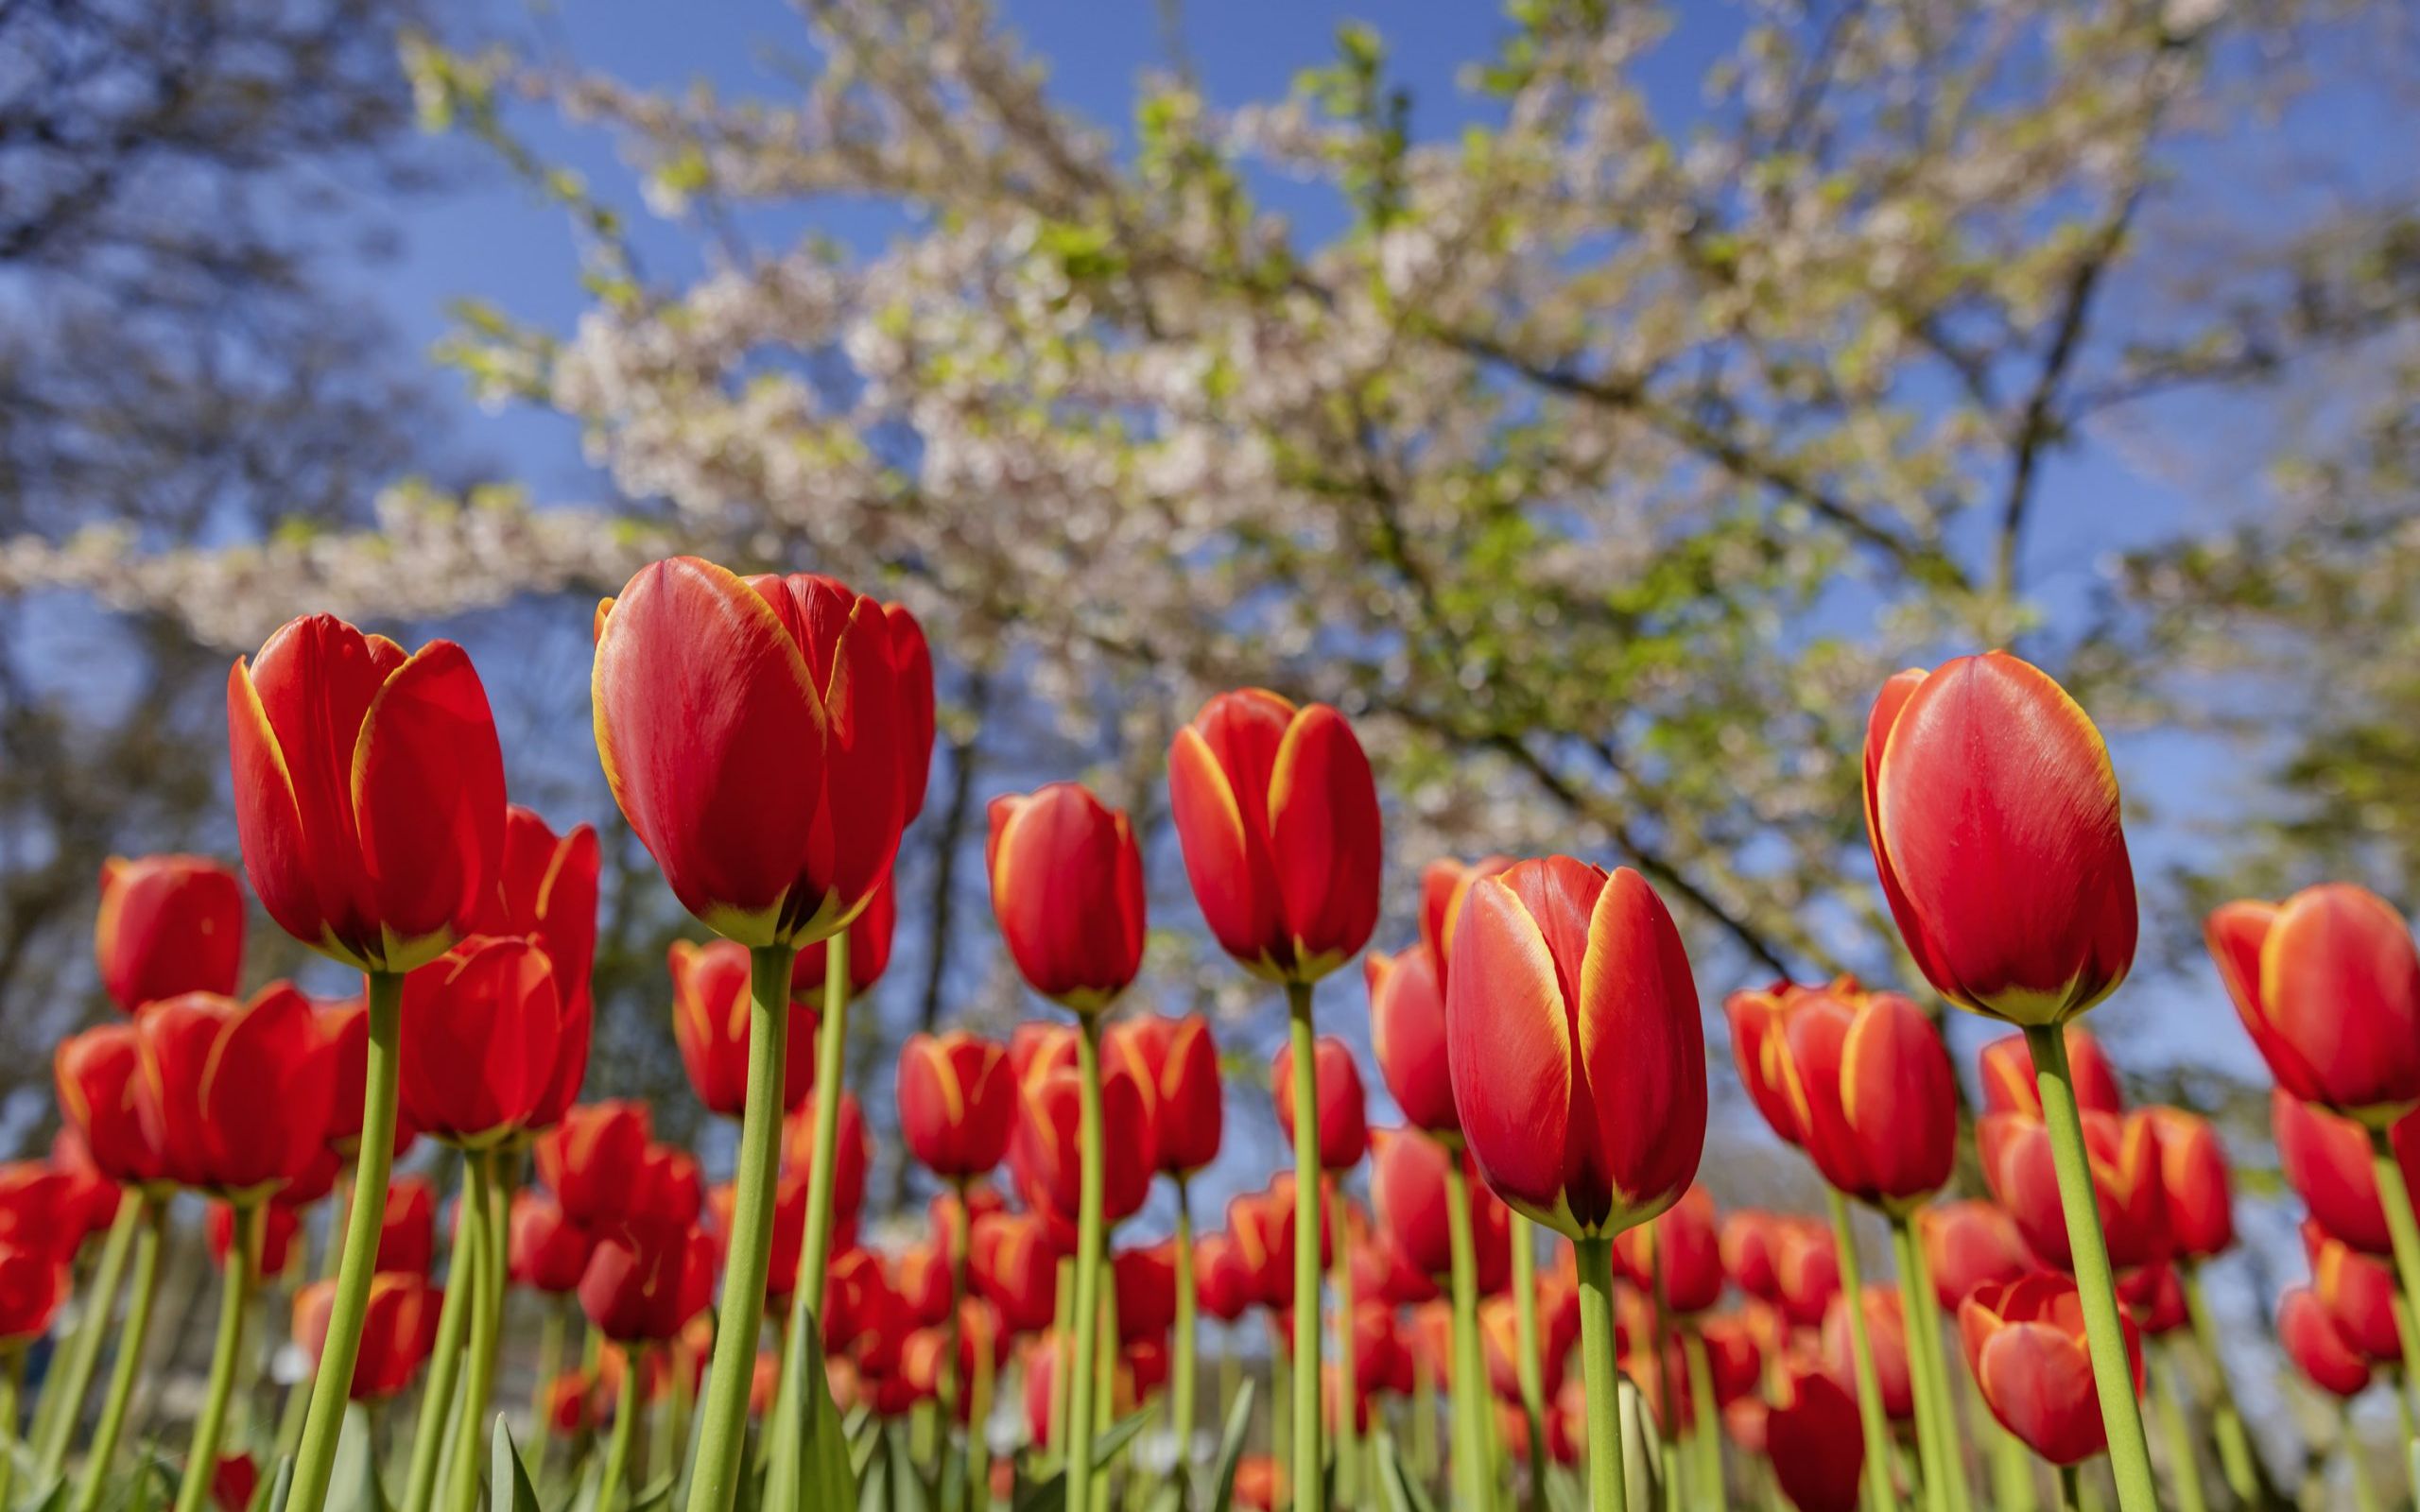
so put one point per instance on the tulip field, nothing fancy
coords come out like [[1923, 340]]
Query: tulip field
[[1520, 1298]]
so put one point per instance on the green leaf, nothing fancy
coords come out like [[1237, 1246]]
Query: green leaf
[[1231, 1450], [280, 1489], [354, 1483], [907, 1490], [656, 1494], [1399, 1487], [874, 1488], [506, 1469]]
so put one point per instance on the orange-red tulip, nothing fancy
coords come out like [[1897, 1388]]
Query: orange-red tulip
[[1044, 1152], [1679, 1251], [757, 734], [1810, 1433], [408, 1228], [547, 1251], [2193, 1174], [710, 1010], [482, 1026], [2006, 1066], [2124, 1156], [646, 1281], [2025, 1342], [1408, 1035], [852, 1153], [1144, 1280], [396, 1334], [33, 1287], [90, 1201], [96, 1072], [1277, 814], [2155, 1300], [1807, 1271], [1578, 1058], [1408, 1172], [1444, 884], [2319, 1348], [1749, 1241], [547, 890], [1860, 1080], [2326, 1160], [1344, 1127], [1262, 1226], [958, 1102], [911, 672], [36, 1210], [1177, 1066], [591, 1160], [1886, 1331], [233, 1096], [979, 1334], [1067, 889], [2358, 1292], [167, 925], [1969, 1244], [665, 1187], [368, 791], [923, 1285], [1993, 812], [1015, 1268], [1222, 1283], [2328, 984]]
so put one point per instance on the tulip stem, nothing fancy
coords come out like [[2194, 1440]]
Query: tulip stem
[[1945, 1468], [2235, 1446], [2365, 1495], [1871, 1420], [961, 1241], [1607, 1489], [2183, 1459], [1474, 1482], [1530, 1369], [2395, 1197], [1089, 1242], [332, 1389], [486, 1317], [1706, 1431], [815, 1247], [722, 1430], [626, 1429], [430, 1434], [143, 1292], [12, 1385], [550, 1365], [1186, 1362], [234, 1305], [1307, 1481], [62, 1399], [1348, 1395], [2130, 1456]]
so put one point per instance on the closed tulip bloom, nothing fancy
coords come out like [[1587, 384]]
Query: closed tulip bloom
[[407, 1231], [665, 1187], [1807, 1272], [167, 925], [1408, 1172], [1993, 812], [790, 1228], [2193, 1175], [922, 1284], [547, 890], [911, 672], [1886, 1331], [481, 1027], [1679, 1251], [1262, 1226], [2328, 984], [397, 1333], [1344, 1128], [2318, 1347], [1407, 1036], [1145, 1279], [1734, 1355], [2326, 1160], [368, 791], [1749, 1239], [757, 736], [958, 1102], [1222, 1283], [1277, 814], [546, 1251], [1811, 1431], [592, 1158], [1444, 884], [33, 1287], [1044, 1152], [2359, 1292], [852, 1153], [981, 1199], [96, 1072], [233, 1096], [1860, 1080], [868, 935], [2155, 1300], [1177, 1066], [1067, 889], [710, 1007], [2125, 1158], [1969, 1244], [1579, 1064], [2025, 1342], [2006, 1067], [346, 1028], [1014, 1266], [646, 1281], [91, 1201]]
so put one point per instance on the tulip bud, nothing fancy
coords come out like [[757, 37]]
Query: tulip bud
[[2318, 1347], [1812, 1439], [96, 1072], [2124, 1159], [1970, 1245], [2359, 1292], [2326, 1160], [547, 1252], [646, 1280], [397, 1333], [233, 1096], [547, 890], [1067, 889], [1676, 1253], [1444, 884], [2328, 984], [852, 1153], [1015, 1268], [1408, 1174], [1860, 1081], [958, 1102], [482, 1025], [1176, 1064], [1222, 1283], [273, 1246], [1344, 1130], [2010, 1086], [1044, 1152], [711, 987], [2025, 1342], [2194, 1177], [1407, 1036], [1144, 1280], [1993, 812], [168, 925]]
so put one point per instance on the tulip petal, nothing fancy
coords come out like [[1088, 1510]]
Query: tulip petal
[[2235, 933], [1323, 838], [2038, 1382], [1225, 857], [1641, 1045], [1510, 1050], [1899, 1097], [427, 787], [268, 814], [2340, 979]]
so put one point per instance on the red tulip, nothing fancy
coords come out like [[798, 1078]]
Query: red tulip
[[757, 735], [912, 671], [1579, 1063], [1993, 813], [1262, 1226], [979, 1334], [1145, 1280], [279, 1224], [1037, 1048], [1677, 1252], [1222, 1283], [1886, 1332], [33, 1285], [1345, 1129], [90, 1201], [482, 1025], [2155, 1300], [368, 791], [233, 1096], [958, 1102], [396, 1336], [2123, 1155], [2006, 1066], [1408, 1174], [1015, 1268], [2358, 1292], [547, 1251], [1408, 1035], [346, 1028], [96, 1072], [1278, 817], [1749, 1241], [2326, 1160], [592, 1158], [2025, 1342], [1444, 884], [234, 1482], [1067, 889], [1734, 1353], [2193, 1174], [665, 1187], [547, 890], [1970, 1245], [407, 1229], [869, 949], [923, 1285], [646, 1280], [1176, 1064], [1045, 1151], [1499, 1330], [1812, 1439], [852, 1153], [2318, 1347], [168, 925], [2328, 984], [1807, 1271], [857, 1298], [710, 1009], [1860, 1080], [36, 1209]]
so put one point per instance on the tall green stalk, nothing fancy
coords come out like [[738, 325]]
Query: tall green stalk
[[1528, 1370], [815, 1248], [1474, 1481], [1945, 1468], [2130, 1455], [550, 1365], [1186, 1362], [226, 1356], [1348, 1429], [626, 1429], [332, 1389], [1871, 1418], [2184, 1460], [1089, 1240], [12, 1385], [1706, 1431], [143, 1292], [486, 1318], [1309, 1485], [2365, 1494], [1607, 1489], [62, 1396], [465, 1281], [2226, 1420], [2395, 1197], [722, 1431]]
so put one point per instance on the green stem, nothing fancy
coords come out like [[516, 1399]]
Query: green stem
[[2184, 1460], [1474, 1484], [978, 1448], [961, 1240], [1607, 1492], [1281, 1396], [1424, 1424], [1871, 1417], [2235, 1446], [12, 1385], [469, 1451], [1089, 1240], [1186, 1365], [1668, 1446], [626, 1429], [723, 1430], [430, 1433], [62, 1397], [1707, 1428], [814, 1250], [2130, 1455], [1062, 1320], [550, 1365], [2365, 1493], [1348, 1428], [2397, 1199], [315, 1460], [127, 1367], [1945, 1473], [1528, 1368], [234, 1305], [1307, 1482]]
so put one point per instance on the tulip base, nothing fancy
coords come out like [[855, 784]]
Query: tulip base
[[1308, 1481], [1608, 1491], [1872, 1421], [2130, 1457]]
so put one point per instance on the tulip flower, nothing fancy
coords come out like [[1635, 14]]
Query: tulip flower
[[1344, 1127], [1807, 1271], [2318, 1347], [591, 1160], [957, 1104], [1177, 1065], [2006, 1067], [399, 1332], [346, 1027], [2019, 1161], [2328, 984], [1969, 1244], [168, 925], [1048, 1148], [482, 1028], [711, 1004], [547, 1251], [802, 1142], [234, 1096], [1887, 1331], [33, 1287], [2358, 1292], [1811, 1438], [868, 950], [1407, 1036], [1222, 1283], [2025, 1342], [547, 890], [1015, 1268], [646, 1280], [1067, 889], [1444, 884]]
